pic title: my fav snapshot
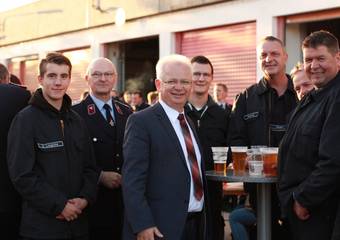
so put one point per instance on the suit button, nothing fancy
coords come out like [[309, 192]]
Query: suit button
[[118, 168], [94, 139], [117, 155]]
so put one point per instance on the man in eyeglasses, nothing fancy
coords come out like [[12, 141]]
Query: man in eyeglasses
[[164, 183], [211, 123], [105, 118]]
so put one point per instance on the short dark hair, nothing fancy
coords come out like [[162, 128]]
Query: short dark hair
[[56, 58], [322, 38], [273, 39], [14, 79], [138, 92], [222, 85], [4, 74], [202, 60]]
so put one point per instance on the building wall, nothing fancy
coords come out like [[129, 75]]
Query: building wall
[[265, 13]]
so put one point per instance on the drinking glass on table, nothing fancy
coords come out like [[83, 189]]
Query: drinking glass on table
[[220, 156]]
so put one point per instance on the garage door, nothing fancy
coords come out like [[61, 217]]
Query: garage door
[[231, 49]]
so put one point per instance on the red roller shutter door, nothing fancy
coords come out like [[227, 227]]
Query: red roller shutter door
[[231, 49]]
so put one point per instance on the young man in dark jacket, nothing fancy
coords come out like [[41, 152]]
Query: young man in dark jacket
[[50, 159], [211, 122]]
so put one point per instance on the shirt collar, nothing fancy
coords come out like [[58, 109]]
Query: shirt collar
[[170, 112], [100, 103]]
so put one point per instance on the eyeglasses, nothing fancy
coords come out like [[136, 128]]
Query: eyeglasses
[[198, 74], [180, 82], [99, 75]]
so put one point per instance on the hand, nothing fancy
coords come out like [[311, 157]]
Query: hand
[[301, 212], [110, 179], [149, 234], [69, 213], [80, 203]]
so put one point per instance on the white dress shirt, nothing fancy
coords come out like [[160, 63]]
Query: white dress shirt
[[194, 204]]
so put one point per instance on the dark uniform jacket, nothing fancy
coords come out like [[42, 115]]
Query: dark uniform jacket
[[250, 124], [211, 123], [50, 161], [107, 142], [12, 100], [309, 156]]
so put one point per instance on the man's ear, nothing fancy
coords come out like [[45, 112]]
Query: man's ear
[[158, 84], [40, 79]]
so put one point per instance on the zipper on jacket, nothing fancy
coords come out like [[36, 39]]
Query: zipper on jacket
[[62, 126]]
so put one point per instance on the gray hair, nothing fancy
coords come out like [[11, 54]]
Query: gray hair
[[174, 58]]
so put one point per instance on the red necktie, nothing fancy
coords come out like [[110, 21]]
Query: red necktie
[[195, 172]]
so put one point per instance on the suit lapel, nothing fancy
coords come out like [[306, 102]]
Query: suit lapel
[[164, 120]]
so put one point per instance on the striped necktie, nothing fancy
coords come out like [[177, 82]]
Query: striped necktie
[[195, 172]]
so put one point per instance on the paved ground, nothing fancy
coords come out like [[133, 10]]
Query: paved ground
[[227, 235]]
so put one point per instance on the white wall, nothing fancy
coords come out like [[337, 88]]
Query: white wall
[[264, 12]]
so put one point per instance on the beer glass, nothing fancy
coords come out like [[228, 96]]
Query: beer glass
[[220, 155], [239, 155], [269, 156], [255, 163]]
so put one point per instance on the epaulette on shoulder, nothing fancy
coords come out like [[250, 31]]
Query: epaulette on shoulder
[[122, 104]]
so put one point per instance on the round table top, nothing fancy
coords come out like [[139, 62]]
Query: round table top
[[230, 177]]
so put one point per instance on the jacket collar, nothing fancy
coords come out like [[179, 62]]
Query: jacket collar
[[263, 86], [39, 101]]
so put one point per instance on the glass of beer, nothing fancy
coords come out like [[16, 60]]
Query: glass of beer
[[239, 156], [220, 155], [269, 156]]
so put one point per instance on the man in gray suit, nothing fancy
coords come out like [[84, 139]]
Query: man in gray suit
[[163, 173]]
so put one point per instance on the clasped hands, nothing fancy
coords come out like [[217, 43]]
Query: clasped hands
[[72, 209]]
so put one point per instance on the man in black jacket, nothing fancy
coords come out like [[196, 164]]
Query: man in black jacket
[[13, 99], [309, 155], [211, 122], [260, 116], [106, 215], [50, 159]]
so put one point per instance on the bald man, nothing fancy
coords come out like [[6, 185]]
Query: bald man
[[105, 118]]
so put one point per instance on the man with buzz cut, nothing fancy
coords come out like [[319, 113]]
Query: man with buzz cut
[[50, 159], [105, 118], [259, 118]]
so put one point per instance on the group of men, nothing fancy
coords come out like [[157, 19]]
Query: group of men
[[96, 171]]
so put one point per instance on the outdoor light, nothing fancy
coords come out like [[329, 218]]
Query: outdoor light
[[120, 12], [120, 17]]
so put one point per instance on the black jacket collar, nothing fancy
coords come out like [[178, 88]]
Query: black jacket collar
[[39, 101], [263, 86]]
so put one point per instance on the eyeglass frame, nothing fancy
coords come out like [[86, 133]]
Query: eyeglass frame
[[99, 75]]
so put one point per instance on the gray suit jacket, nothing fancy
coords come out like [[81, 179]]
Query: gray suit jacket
[[156, 180]]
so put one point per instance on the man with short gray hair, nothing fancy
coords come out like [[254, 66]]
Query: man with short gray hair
[[163, 173]]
